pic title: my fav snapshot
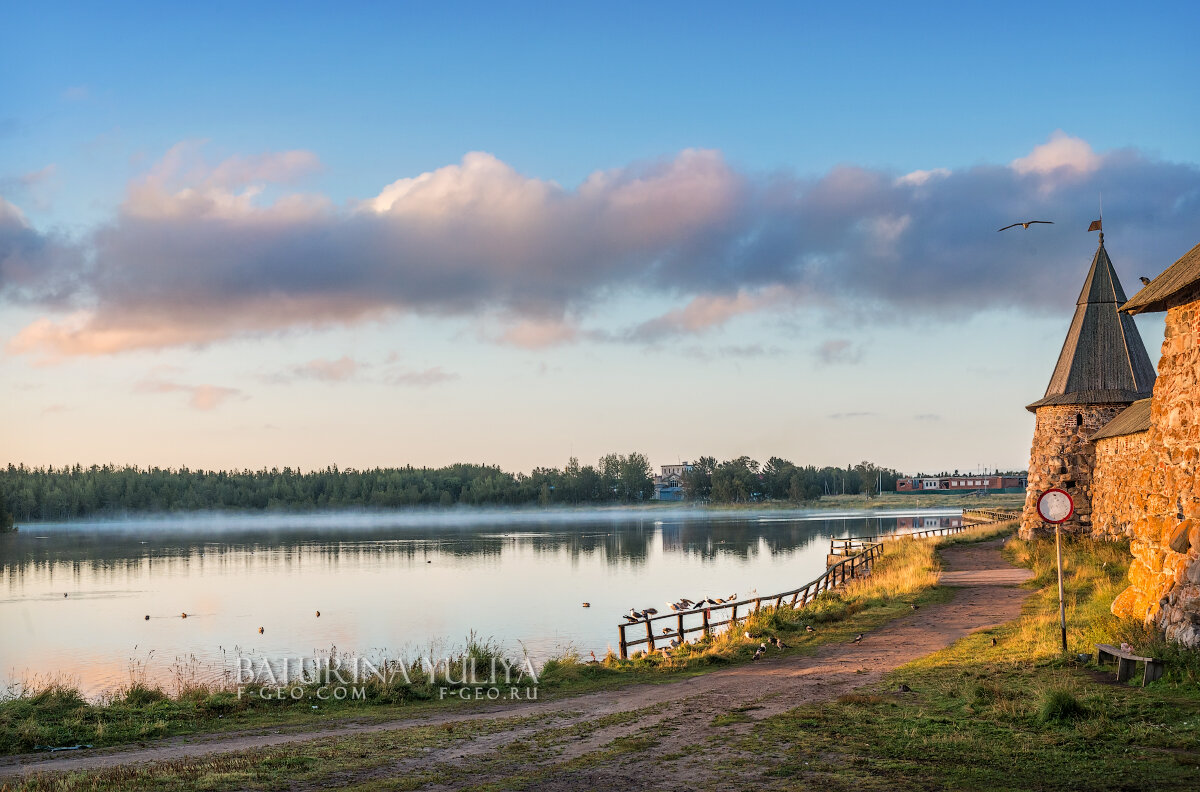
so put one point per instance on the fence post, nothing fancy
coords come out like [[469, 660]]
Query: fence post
[[706, 630], [733, 613], [679, 629], [624, 648], [650, 634]]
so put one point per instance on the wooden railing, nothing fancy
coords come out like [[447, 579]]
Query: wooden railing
[[710, 615], [989, 515], [852, 544]]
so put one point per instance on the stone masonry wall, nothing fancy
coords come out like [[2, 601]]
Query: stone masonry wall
[[1165, 538], [1120, 484], [1063, 456]]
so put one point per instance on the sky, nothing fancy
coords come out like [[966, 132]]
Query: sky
[[388, 234]]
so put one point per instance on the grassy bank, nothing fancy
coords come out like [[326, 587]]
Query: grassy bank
[[57, 715], [1014, 715]]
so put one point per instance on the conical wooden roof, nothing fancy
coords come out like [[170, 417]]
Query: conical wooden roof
[[1103, 359]]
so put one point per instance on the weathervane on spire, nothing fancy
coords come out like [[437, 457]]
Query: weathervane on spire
[[1098, 225]]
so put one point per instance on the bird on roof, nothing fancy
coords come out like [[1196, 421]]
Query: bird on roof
[[1145, 281], [1025, 224]]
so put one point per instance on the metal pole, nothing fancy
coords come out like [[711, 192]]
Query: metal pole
[[1062, 608]]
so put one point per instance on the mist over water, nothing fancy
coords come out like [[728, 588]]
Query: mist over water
[[387, 584]]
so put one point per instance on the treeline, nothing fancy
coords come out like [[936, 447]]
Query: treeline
[[744, 480], [59, 493], [62, 493]]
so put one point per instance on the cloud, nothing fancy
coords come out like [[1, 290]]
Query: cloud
[[1061, 151], [200, 252], [200, 397], [708, 311], [927, 417], [726, 351], [539, 333], [36, 267], [837, 351], [76, 93], [325, 370], [421, 379], [844, 415]]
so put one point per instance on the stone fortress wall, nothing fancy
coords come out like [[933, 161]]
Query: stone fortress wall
[[1147, 487], [1063, 456], [1122, 465]]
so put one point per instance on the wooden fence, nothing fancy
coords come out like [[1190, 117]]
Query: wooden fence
[[836, 575], [989, 515], [852, 544]]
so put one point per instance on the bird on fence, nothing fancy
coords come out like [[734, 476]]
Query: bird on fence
[[1025, 224], [675, 606], [857, 638], [629, 617], [650, 612], [711, 601], [686, 602], [636, 614], [720, 601], [731, 598], [666, 631], [809, 628]]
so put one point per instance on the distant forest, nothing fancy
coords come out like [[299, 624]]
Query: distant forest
[[58, 493]]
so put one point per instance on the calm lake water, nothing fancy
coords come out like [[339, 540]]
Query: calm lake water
[[386, 585]]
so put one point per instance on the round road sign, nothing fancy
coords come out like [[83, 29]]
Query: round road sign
[[1055, 506]]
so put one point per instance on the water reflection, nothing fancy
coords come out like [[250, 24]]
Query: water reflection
[[73, 599]]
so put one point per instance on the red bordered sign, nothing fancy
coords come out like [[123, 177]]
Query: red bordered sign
[[1055, 505]]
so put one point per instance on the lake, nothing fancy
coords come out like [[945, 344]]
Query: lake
[[386, 584]]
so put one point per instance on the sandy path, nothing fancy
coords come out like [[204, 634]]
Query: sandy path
[[985, 596]]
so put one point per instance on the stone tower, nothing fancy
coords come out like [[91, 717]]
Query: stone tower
[[1103, 367]]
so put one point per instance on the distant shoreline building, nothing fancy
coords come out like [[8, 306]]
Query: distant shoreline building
[[668, 485], [961, 484]]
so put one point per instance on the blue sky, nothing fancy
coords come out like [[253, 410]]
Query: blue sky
[[795, 289]]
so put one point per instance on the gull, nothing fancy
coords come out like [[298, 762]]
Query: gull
[[630, 618], [857, 638], [915, 606], [731, 598], [758, 653], [1145, 281], [587, 604], [809, 628], [650, 612], [635, 614], [1025, 224]]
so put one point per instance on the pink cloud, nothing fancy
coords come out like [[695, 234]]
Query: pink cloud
[[1061, 151], [539, 333], [201, 397]]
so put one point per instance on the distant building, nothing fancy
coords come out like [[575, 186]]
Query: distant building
[[668, 485], [962, 484]]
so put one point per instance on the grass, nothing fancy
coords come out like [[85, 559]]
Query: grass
[[1015, 716], [57, 715]]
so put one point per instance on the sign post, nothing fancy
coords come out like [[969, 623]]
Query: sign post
[[1055, 506]]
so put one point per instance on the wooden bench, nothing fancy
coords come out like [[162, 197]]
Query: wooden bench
[[1106, 653]]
